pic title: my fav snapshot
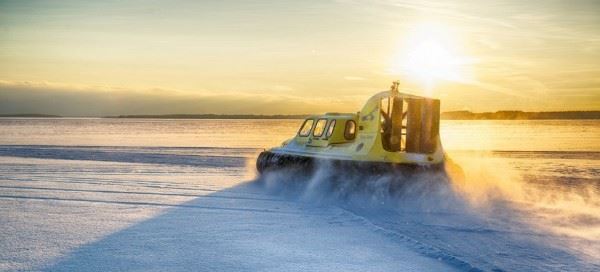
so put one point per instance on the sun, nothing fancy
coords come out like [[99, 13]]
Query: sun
[[429, 53]]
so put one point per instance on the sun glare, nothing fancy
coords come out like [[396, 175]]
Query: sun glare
[[428, 54]]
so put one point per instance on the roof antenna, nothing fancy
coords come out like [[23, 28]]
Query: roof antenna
[[394, 87]]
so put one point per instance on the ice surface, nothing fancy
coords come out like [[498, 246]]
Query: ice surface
[[89, 209]]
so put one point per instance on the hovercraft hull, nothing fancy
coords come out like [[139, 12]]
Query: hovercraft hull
[[269, 161]]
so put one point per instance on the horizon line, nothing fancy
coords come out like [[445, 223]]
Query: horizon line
[[448, 115]]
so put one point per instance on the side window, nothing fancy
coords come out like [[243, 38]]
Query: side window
[[319, 127], [330, 128], [350, 130], [306, 127]]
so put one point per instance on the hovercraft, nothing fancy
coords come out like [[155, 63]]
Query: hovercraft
[[393, 133]]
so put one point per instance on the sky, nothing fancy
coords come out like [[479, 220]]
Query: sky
[[95, 58]]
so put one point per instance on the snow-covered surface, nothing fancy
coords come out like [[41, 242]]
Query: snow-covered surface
[[96, 211], [114, 195]]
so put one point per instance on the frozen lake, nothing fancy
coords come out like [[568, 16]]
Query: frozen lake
[[108, 195]]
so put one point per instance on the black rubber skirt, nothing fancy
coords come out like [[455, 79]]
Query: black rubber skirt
[[268, 161]]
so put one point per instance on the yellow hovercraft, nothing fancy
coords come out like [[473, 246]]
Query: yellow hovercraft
[[394, 132]]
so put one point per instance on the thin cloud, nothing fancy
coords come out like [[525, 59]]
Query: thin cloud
[[448, 11], [67, 100]]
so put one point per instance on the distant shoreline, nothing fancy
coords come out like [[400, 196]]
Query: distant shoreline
[[521, 115], [450, 115], [31, 115], [212, 116]]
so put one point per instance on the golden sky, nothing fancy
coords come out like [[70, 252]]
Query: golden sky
[[268, 57]]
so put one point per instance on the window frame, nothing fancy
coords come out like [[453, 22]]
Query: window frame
[[304, 124], [346, 134], [330, 129], [315, 127]]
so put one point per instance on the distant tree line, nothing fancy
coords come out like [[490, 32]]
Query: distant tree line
[[520, 115], [214, 116], [30, 115]]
